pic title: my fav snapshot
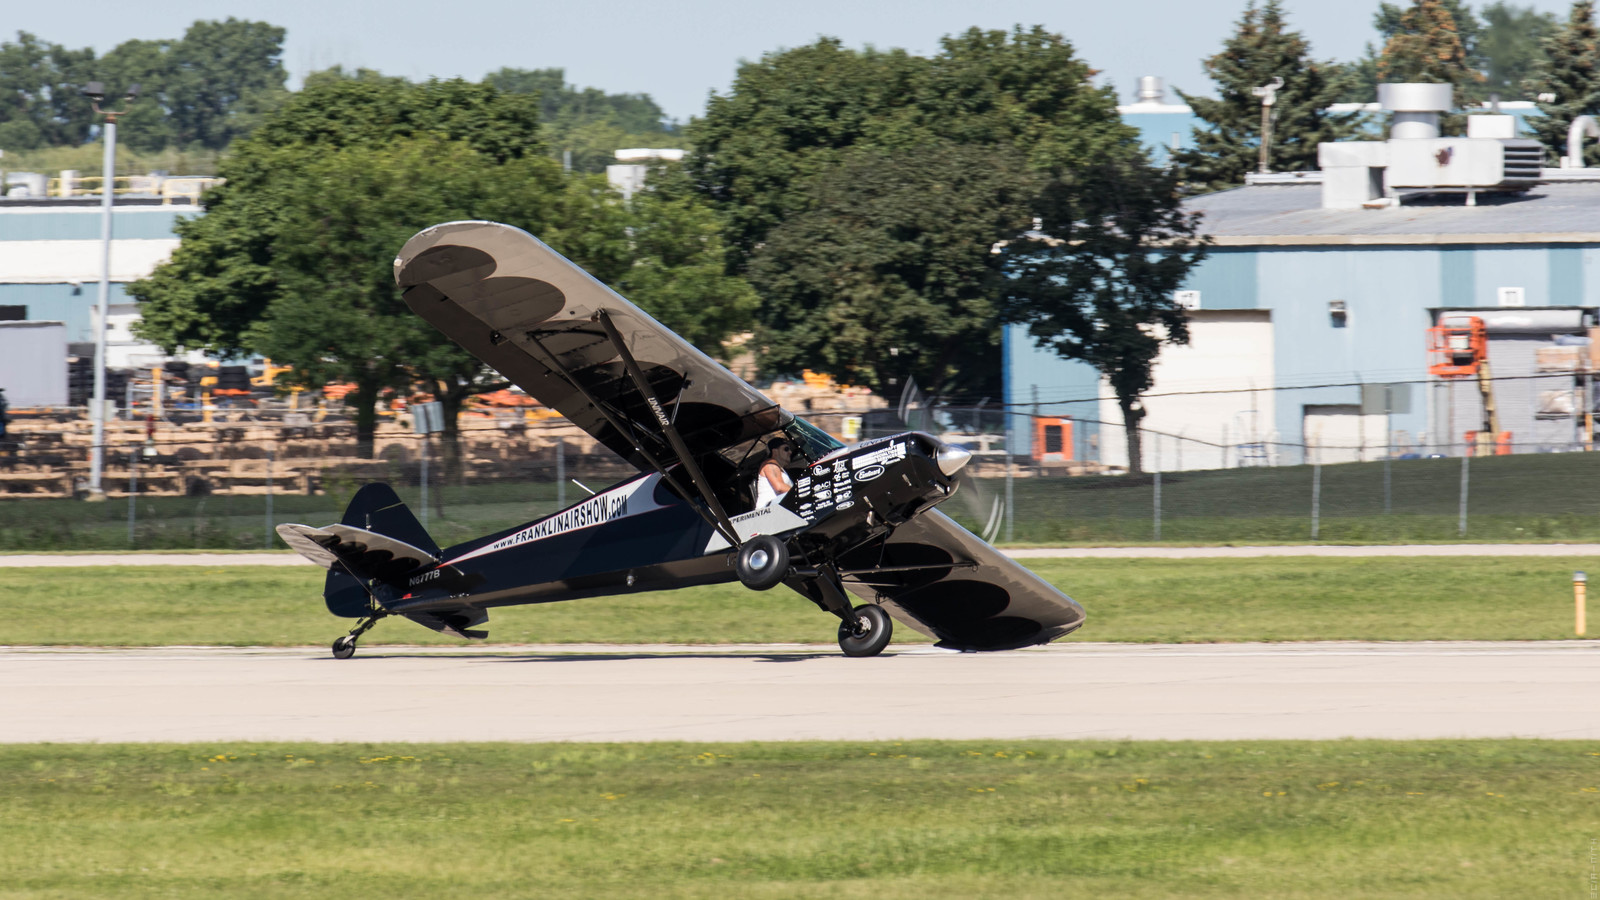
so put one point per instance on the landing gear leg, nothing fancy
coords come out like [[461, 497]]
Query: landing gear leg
[[863, 630], [345, 647]]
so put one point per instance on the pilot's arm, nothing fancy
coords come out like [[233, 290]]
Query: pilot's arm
[[776, 477]]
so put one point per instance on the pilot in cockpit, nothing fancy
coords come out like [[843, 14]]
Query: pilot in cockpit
[[772, 480]]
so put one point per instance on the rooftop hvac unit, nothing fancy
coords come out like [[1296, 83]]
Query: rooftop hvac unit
[[1416, 158]]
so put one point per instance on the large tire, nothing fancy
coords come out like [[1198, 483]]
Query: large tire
[[762, 563], [869, 634]]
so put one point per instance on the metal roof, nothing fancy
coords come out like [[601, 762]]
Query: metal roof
[[1292, 215]]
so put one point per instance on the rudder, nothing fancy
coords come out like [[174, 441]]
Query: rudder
[[375, 507]]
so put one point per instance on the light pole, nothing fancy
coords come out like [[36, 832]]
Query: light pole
[[96, 92], [1269, 96]]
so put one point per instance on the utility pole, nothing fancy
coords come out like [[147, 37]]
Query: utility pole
[[96, 92], [1269, 96]]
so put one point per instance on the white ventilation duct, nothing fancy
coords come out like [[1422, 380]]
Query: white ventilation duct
[[1152, 89], [1416, 109], [1581, 127]]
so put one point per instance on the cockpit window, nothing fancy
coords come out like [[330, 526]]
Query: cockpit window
[[813, 442]]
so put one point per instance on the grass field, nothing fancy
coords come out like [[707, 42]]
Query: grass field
[[1272, 599], [1510, 498], [1359, 819]]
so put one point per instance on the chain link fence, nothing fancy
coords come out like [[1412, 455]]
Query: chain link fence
[[225, 485]]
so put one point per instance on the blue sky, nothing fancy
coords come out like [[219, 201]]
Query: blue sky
[[680, 50]]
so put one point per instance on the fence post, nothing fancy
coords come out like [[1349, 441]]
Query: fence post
[[267, 544], [133, 494], [561, 474], [1466, 459], [1158, 505], [1387, 503], [1316, 496], [425, 454]]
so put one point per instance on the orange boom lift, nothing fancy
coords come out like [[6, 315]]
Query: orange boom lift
[[1459, 348]]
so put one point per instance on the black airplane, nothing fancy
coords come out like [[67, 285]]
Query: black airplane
[[856, 520]]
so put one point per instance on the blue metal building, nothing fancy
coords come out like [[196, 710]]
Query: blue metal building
[[1346, 296]]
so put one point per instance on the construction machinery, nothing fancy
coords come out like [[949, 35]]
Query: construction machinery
[[1458, 347]]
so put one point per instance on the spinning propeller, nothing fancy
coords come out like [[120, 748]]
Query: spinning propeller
[[985, 508]]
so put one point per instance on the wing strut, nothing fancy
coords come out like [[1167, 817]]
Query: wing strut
[[669, 429], [556, 366]]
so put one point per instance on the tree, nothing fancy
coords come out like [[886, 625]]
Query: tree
[[1427, 46], [1571, 71], [1512, 47], [293, 257], [1095, 280], [40, 100], [1362, 75], [230, 268], [805, 129], [587, 121], [337, 316], [1262, 48], [203, 90], [890, 275], [225, 77]]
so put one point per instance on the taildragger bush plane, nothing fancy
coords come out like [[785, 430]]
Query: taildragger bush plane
[[855, 522]]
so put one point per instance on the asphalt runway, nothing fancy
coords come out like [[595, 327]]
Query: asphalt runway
[[70, 560], [1223, 692]]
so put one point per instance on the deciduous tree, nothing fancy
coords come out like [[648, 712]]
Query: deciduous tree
[[1096, 280], [816, 151], [891, 272]]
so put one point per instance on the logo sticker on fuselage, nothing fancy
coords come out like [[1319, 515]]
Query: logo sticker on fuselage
[[869, 473]]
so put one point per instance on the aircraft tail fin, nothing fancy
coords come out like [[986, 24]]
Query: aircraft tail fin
[[373, 547], [377, 508]]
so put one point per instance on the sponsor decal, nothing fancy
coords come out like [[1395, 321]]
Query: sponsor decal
[[845, 505], [594, 511], [869, 473], [881, 457]]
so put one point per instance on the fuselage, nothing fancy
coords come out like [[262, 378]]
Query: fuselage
[[641, 535]]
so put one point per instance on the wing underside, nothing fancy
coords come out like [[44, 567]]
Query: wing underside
[[531, 315], [956, 588]]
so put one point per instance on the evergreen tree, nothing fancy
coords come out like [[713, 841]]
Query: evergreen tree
[[1571, 72], [1228, 146], [1427, 46]]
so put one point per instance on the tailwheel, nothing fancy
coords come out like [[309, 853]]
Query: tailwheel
[[867, 632], [345, 647]]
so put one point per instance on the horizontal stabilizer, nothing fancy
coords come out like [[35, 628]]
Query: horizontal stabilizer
[[363, 552], [458, 622]]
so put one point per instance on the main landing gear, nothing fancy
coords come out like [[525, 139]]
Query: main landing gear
[[868, 634], [345, 647], [763, 563]]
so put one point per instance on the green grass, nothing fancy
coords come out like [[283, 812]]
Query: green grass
[[1510, 498], [1360, 819], [1295, 599]]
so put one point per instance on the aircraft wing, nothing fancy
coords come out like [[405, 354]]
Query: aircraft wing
[[533, 316], [962, 591]]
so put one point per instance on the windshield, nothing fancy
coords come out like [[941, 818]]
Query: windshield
[[813, 442]]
